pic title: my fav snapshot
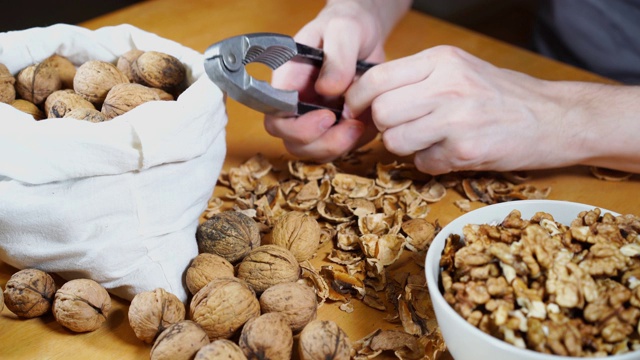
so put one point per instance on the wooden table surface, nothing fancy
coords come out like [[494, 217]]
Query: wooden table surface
[[199, 23]]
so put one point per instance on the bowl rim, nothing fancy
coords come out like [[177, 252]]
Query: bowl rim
[[432, 271]]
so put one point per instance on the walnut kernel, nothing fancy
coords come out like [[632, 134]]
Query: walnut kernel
[[151, 312], [29, 293], [81, 305]]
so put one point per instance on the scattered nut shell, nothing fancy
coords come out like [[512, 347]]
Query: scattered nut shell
[[268, 265], [90, 115], [151, 312], [229, 234], [35, 82], [180, 341], [223, 306], [28, 107], [220, 349], [95, 78], [81, 305], [323, 340], [158, 70], [298, 232], [204, 268], [64, 67], [267, 337], [29, 293], [296, 301]]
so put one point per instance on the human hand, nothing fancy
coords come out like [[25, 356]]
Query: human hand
[[314, 134], [462, 113]]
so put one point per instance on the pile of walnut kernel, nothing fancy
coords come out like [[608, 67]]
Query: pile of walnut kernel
[[537, 284], [95, 90]]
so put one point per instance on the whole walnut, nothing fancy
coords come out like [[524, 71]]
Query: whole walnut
[[90, 115], [1, 300], [28, 107], [223, 306], [220, 349], [81, 305], [204, 268], [298, 232], [64, 102], [323, 340], [7, 87], [229, 234], [95, 78], [150, 312], [268, 265], [64, 67], [296, 301], [158, 70], [126, 60], [29, 293], [125, 97], [180, 341], [267, 337], [35, 82]]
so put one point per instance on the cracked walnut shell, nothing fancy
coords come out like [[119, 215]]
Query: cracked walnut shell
[[95, 78], [204, 268], [323, 340], [267, 337], [180, 341], [296, 301], [268, 265], [229, 234], [81, 305], [29, 293], [151, 312], [298, 232], [223, 306]]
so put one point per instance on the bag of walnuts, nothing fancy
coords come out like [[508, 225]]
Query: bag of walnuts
[[116, 200]]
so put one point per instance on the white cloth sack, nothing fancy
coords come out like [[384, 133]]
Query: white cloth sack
[[119, 201]]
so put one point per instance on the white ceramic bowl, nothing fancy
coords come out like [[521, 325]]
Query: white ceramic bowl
[[464, 340]]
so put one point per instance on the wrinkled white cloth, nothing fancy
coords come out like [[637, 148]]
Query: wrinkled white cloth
[[119, 201]]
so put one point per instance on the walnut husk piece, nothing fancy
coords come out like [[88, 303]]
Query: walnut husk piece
[[268, 265], [180, 341], [29, 293], [223, 306], [125, 97], [323, 340], [81, 305], [7, 87], [296, 301], [229, 234], [220, 349], [298, 232], [267, 337], [151, 312], [35, 82], [95, 78], [204, 268]]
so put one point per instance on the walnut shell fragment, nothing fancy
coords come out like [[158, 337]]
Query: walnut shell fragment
[[267, 337], [158, 70], [296, 301], [323, 340], [7, 88], [35, 82], [268, 265], [298, 232], [81, 305], [29, 293], [180, 341], [151, 312], [223, 306], [229, 234], [125, 97], [95, 78], [220, 349], [204, 268]]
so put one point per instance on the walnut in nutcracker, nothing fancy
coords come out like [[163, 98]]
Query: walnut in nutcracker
[[95, 78], [35, 82], [125, 97], [267, 337], [229, 234], [323, 340], [180, 341], [29, 293], [296, 301], [223, 306], [81, 305], [7, 87], [158, 70], [298, 232], [151, 312], [204, 268], [268, 265], [220, 349]]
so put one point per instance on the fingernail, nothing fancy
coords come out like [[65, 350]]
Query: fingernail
[[355, 131], [327, 122]]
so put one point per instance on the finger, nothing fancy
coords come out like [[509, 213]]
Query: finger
[[401, 105], [304, 129], [415, 135], [433, 161]]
